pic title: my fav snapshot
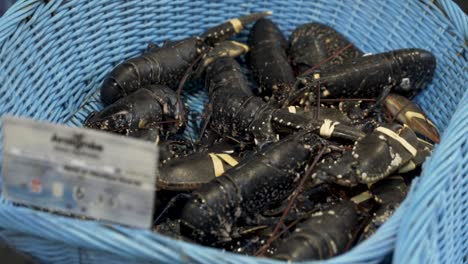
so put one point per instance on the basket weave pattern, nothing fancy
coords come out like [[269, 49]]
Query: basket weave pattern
[[53, 57]]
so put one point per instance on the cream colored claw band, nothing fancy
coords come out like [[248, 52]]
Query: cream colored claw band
[[228, 159], [362, 197], [401, 140], [218, 162], [409, 166], [236, 24], [425, 142], [241, 45], [292, 109], [411, 114], [217, 165], [327, 128]]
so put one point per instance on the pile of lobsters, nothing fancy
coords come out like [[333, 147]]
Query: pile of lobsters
[[300, 155]]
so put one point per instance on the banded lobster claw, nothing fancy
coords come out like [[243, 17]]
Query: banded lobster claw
[[409, 113], [389, 148]]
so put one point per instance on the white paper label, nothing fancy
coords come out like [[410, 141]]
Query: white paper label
[[79, 171]]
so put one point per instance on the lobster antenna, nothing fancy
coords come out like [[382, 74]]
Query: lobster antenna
[[293, 198], [318, 101], [181, 85], [170, 204], [295, 94], [327, 59], [333, 100]]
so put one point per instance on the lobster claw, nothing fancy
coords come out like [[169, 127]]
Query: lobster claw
[[136, 111], [409, 113], [229, 48], [424, 127], [387, 149], [168, 99], [229, 28]]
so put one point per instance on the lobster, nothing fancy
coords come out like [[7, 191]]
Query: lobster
[[331, 230], [264, 179], [325, 234], [268, 60], [144, 99], [226, 48], [312, 43], [389, 148], [192, 171], [167, 64], [404, 71], [256, 239], [236, 112], [143, 109], [389, 193]]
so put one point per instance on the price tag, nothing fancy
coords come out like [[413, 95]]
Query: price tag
[[79, 171]]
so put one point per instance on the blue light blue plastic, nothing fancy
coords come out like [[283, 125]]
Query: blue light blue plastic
[[54, 55]]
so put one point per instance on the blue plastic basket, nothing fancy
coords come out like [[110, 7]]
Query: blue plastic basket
[[54, 55]]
